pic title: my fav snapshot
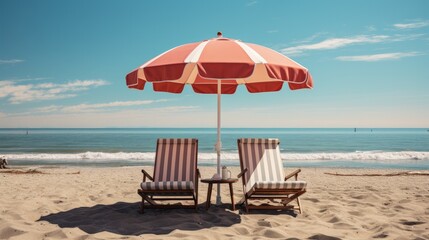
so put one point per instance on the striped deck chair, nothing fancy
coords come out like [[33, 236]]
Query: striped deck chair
[[262, 175], [175, 174]]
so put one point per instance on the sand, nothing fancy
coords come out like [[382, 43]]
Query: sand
[[102, 203]]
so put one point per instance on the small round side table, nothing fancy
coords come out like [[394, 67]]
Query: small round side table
[[211, 181]]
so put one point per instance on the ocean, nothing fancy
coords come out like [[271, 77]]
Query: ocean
[[400, 148]]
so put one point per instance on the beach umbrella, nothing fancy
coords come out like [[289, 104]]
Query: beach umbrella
[[218, 66]]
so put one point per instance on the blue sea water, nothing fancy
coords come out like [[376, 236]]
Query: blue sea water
[[405, 148]]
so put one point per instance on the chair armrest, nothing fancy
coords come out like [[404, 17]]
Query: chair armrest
[[198, 173], [145, 174], [242, 173], [294, 173]]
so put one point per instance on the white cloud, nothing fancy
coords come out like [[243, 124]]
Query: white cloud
[[101, 108], [311, 38], [86, 83], [11, 61], [334, 43], [418, 24], [152, 117], [251, 3], [408, 37], [25, 79], [19, 93], [378, 57], [105, 106], [5, 83], [96, 107], [175, 108], [47, 109]]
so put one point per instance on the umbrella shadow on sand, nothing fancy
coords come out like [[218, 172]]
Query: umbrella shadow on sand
[[123, 218]]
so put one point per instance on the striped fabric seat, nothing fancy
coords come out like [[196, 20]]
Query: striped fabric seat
[[281, 185], [175, 174], [175, 160], [262, 174], [262, 159], [169, 185]]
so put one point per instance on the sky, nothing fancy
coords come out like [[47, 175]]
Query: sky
[[63, 63]]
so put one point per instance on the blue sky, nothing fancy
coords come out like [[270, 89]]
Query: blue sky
[[63, 63]]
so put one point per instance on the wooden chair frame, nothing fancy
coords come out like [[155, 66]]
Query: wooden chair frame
[[285, 195], [153, 196]]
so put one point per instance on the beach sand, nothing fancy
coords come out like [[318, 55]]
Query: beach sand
[[102, 203]]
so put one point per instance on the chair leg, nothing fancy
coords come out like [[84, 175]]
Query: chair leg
[[196, 202], [246, 204], [299, 205], [196, 196], [142, 206]]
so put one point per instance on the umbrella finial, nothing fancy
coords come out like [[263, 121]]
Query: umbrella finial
[[219, 34]]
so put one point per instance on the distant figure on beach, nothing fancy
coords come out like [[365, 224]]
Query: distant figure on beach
[[3, 163], [355, 129]]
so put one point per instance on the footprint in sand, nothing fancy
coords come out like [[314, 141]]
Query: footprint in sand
[[9, 232], [347, 226], [314, 200], [264, 224], [404, 201], [242, 231], [323, 210], [412, 223], [334, 220], [58, 234], [356, 213], [323, 237], [381, 235], [270, 233]]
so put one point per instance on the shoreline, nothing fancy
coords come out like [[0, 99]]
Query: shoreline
[[411, 165], [103, 166]]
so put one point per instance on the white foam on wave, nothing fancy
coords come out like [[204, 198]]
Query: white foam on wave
[[370, 155], [86, 156], [225, 156]]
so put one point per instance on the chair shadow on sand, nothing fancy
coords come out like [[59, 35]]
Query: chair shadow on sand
[[124, 218]]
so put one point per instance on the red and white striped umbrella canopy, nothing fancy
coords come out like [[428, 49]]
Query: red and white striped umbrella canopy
[[203, 64]]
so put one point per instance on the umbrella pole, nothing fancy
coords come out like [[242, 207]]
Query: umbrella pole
[[219, 143]]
